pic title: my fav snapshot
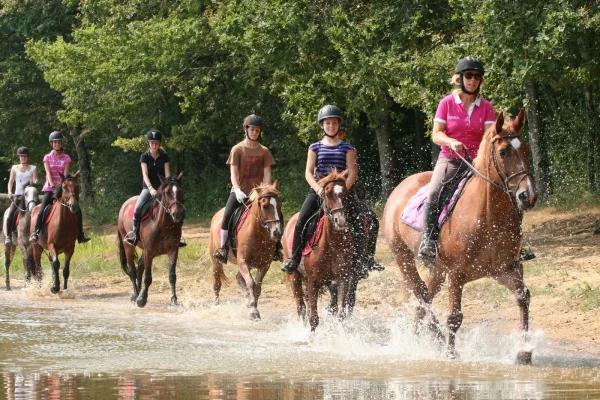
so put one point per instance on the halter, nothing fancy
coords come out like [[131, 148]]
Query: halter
[[329, 211], [504, 183], [167, 208], [260, 217]]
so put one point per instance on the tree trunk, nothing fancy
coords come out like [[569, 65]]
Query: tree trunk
[[85, 180], [422, 142], [539, 149], [386, 152]]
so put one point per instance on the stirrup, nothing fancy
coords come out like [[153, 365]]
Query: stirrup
[[8, 239], [374, 265], [34, 237], [221, 254], [289, 266], [130, 238], [428, 253], [526, 255], [83, 238]]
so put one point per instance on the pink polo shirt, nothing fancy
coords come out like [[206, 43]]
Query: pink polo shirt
[[57, 164], [466, 126]]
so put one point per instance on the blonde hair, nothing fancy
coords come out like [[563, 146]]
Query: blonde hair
[[455, 81]]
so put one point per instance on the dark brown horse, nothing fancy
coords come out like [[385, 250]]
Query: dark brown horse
[[255, 242], [25, 206], [159, 234], [331, 259], [61, 232], [482, 237]]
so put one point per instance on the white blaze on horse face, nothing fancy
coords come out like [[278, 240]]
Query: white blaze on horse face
[[274, 204], [338, 190], [174, 191], [516, 143]]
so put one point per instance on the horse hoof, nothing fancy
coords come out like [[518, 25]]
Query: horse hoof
[[8, 288], [133, 297], [141, 303], [174, 302], [452, 355], [254, 315], [55, 290], [524, 357]]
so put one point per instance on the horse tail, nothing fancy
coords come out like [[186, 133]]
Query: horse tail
[[218, 272], [122, 256]]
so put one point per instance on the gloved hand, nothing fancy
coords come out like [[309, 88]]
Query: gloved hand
[[239, 195]]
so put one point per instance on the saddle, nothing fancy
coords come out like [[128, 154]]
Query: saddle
[[145, 211], [449, 195], [237, 221], [311, 233]]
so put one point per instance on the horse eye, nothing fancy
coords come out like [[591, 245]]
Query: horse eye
[[503, 152]]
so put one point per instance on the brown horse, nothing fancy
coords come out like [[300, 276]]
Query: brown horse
[[159, 234], [331, 259], [61, 232], [256, 241], [25, 206], [482, 237]]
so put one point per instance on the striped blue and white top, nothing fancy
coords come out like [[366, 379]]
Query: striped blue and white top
[[330, 157]]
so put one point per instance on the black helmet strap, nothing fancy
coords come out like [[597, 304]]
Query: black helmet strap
[[248, 136]]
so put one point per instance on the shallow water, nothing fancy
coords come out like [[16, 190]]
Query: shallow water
[[52, 348]]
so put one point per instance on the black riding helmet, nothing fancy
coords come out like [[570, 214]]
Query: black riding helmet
[[154, 134], [252, 120], [56, 135], [466, 64], [329, 111], [22, 151]]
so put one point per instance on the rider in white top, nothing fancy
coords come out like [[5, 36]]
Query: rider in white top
[[19, 175]]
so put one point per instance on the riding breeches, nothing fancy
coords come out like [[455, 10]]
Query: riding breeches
[[230, 207], [309, 208], [143, 198], [46, 201], [10, 218], [445, 169]]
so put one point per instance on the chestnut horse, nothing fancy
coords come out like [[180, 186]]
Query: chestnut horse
[[331, 259], [28, 200], [60, 233], [159, 234], [256, 241], [482, 237]]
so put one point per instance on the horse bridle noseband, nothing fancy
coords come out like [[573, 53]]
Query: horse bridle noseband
[[260, 217], [504, 184], [167, 208], [329, 211]]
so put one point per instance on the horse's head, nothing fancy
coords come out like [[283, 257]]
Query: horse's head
[[30, 197], [335, 197], [269, 208], [509, 155], [70, 191], [170, 196]]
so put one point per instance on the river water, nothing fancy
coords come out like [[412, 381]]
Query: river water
[[54, 348]]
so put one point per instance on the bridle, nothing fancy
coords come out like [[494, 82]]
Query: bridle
[[504, 184], [168, 207], [326, 209], [65, 202], [260, 217]]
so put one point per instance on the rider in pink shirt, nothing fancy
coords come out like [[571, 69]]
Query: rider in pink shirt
[[459, 124]]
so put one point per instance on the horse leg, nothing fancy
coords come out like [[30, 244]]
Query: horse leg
[[342, 298], [216, 270], [67, 268], [36, 258], [455, 318], [55, 288], [313, 297], [513, 280], [139, 276], [299, 295], [260, 275], [251, 286], [332, 308], [351, 297], [143, 296], [240, 280], [7, 261], [173, 275]]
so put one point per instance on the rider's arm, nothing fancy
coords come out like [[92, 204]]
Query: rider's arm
[[167, 169], [267, 175], [48, 174], [352, 169], [235, 176], [11, 180], [67, 168], [146, 178], [440, 138], [34, 176], [311, 162]]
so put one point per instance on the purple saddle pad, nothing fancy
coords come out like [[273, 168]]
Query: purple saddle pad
[[414, 210]]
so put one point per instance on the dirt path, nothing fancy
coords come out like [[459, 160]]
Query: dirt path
[[564, 281]]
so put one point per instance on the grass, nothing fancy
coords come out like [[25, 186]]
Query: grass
[[587, 296]]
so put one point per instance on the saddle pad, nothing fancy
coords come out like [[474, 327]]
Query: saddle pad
[[414, 210], [312, 241], [145, 212], [17, 219], [50, 213], [240, 222]]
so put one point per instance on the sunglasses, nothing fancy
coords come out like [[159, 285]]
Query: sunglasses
[[470, 75]]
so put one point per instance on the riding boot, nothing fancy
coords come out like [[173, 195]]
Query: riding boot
[[526, 255], [292, 263], [221, 254], [38, 225], [428, 247], [133, 238], [10, 220], [81, 236], [278, 255]]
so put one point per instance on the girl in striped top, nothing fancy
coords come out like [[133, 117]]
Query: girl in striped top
[[329, 153]]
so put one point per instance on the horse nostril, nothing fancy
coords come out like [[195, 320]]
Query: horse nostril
[[524, 195]]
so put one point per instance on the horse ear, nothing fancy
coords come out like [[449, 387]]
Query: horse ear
[[499, 122], [276, 184], [320, 176], [519, 122], [76, 174], [62, 177], [180, 176]]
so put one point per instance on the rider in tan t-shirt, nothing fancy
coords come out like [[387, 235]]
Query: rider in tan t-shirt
[[250, 165]]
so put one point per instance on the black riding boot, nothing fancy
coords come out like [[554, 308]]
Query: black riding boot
[[81, 236], [428, 247], [38, 225], [10, 221], [133, 238]]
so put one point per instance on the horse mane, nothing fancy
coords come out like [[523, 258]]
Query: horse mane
[[333, 175], [262, 190]]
